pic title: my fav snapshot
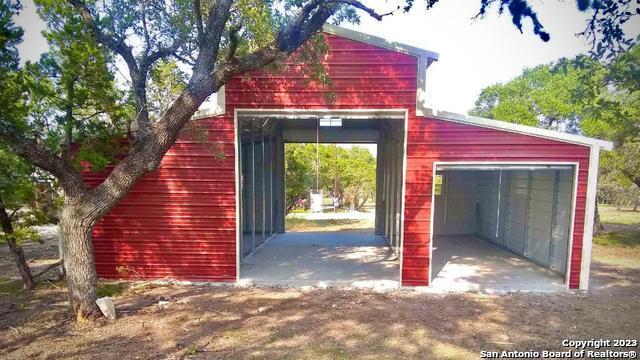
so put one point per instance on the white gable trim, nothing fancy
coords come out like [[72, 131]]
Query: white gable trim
[[379, 42], [216, 110]]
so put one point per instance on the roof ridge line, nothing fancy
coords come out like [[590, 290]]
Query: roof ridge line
[[380, 42]]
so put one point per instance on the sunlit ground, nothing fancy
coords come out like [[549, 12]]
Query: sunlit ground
[[619, 244]]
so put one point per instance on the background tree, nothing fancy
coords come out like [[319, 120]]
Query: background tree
[[15, 185], [357, 176], [581, 96], [299, 174], [216, 40], [348, 174], [17, 194]]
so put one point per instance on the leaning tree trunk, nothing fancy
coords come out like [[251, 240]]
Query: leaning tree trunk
[[79, 264], [16, 250]]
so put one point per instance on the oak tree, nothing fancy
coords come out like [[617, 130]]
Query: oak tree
[[214, 40]]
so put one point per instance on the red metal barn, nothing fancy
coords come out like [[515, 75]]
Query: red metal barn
[[442, 179]]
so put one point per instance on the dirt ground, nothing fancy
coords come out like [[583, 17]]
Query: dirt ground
[[38, 255], [203, 322]]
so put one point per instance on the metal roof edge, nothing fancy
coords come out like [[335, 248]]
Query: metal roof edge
[[521, 129], [381, 42], [216, 110]]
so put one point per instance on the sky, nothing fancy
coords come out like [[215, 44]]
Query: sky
[[473, 53]]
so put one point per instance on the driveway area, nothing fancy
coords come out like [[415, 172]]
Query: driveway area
[[348, 258]]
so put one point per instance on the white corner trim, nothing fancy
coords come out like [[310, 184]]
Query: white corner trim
[[238, 194], [587, 237], [421, 91], [523, 129], [404, 191], [218, 109]]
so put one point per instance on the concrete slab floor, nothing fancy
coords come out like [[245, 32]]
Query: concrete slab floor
[[346, 259], [467, 263]]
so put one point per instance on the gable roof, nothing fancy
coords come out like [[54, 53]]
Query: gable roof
[[425, 58], [380, 42]]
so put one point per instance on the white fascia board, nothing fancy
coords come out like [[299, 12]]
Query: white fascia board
[[380, 42], [522, 129], [216, 110], [425, 58]]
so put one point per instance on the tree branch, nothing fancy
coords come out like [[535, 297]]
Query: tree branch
[[233, 43], [116, 45], [138, 78], [145, 156], [47, 269], [40, 156], [197, 11], [147, 39], [162, 53], [207, 78], [359, 5]]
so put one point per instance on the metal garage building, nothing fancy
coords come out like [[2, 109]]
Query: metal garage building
[[445, 181]]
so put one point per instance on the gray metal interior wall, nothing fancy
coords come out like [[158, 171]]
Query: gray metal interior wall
[[516, 213], [488, 200], [526, 211], [262, 182], [389, 183], [457, 204], [562, 221], [540, 216]]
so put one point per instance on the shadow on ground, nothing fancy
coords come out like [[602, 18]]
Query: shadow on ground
[[230, 322]]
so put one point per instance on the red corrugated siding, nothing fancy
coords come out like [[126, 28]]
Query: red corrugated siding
[[362, 76], [431, 140], [180, 221]]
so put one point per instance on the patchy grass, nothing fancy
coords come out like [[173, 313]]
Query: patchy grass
[[619, 245], [304, 225], [10, 286], [334, 352], [617, 256], [618, 239], [611, 215], [111, 289], [191, 350]]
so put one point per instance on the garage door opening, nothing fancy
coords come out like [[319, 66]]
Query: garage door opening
[[318, 247], [502, 227]]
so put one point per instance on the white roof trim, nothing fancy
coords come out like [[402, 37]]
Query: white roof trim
[[216, 110], [522, 129], [380, 42]]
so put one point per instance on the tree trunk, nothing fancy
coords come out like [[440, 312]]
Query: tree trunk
[[364, 201], [16, 250], [597, 224], [79, 264]]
